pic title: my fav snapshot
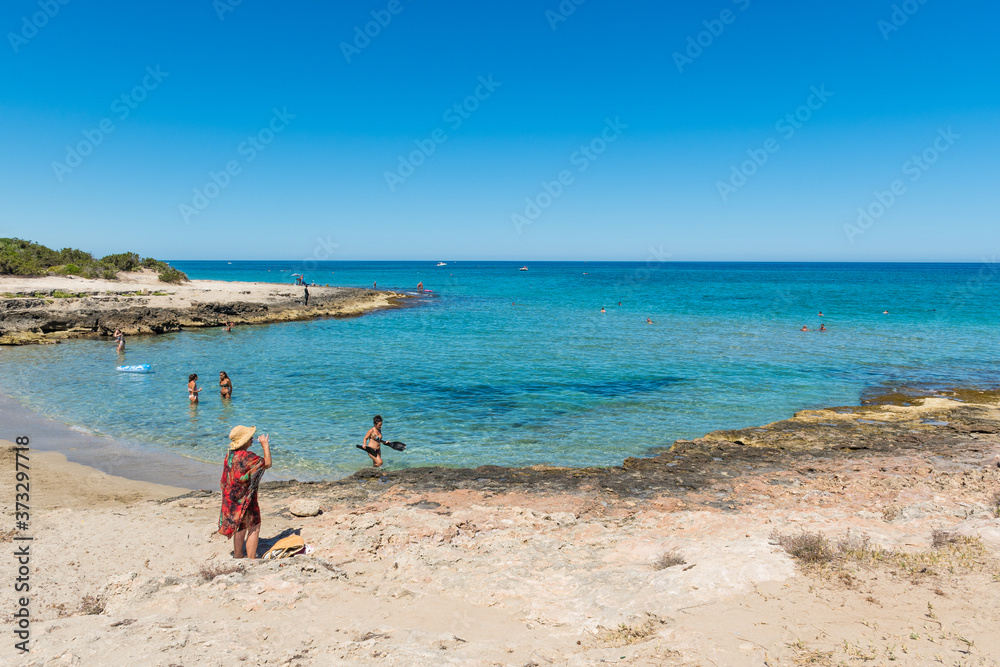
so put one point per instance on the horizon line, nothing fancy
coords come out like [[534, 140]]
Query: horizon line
[[984, 260]]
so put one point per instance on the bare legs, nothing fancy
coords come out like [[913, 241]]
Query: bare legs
[[252, 541], [251, 537]]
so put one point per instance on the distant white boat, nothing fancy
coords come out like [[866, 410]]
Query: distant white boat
[[442, 264], [523, 268]]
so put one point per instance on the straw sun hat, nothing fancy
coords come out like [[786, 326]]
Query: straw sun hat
[[240, 436]]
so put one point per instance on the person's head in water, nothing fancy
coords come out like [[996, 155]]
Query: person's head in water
[[192, 377]]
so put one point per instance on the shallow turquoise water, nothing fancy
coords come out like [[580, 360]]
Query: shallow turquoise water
[[467, 378]]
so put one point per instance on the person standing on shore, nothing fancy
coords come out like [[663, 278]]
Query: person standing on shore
[[306, 290], [225, 385], [193, 387], [241, 473]]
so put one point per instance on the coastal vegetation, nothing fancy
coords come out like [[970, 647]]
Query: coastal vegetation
[[25, 258], [949, 552]]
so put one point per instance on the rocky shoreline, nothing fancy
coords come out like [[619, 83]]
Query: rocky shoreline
[[46, 310], [708, 471]]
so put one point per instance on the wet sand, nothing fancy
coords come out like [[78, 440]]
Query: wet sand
[[130, 460]]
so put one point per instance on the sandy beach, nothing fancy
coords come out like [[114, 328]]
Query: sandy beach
[[670, 560], [52, 308]]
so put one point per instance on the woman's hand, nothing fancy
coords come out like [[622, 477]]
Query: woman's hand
[[265, 441]]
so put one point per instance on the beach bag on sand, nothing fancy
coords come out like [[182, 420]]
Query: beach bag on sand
[[285, 548]]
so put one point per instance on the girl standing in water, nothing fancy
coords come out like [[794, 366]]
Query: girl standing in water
[[225, 385], [193, 387]]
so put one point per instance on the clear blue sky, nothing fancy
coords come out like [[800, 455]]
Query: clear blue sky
[[679, 125]]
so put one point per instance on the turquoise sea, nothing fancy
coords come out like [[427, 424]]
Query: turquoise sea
[[466, 377]]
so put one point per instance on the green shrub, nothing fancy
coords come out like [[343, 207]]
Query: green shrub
[[172, 275], [24, 258], [126, 261], [72, 256]]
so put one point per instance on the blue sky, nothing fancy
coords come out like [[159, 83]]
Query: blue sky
[[655, 150]]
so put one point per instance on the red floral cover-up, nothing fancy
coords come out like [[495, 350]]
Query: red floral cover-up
[[241, 473]]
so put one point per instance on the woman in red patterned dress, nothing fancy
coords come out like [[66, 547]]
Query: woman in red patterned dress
[[241, 473]]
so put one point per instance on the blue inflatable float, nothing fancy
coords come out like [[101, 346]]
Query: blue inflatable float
[[140, 368]]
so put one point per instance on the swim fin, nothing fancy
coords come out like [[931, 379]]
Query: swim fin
[[370, 452], [398, 446]]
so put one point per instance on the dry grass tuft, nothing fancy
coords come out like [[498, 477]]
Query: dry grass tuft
[[669, 559], [626, 635], [995, 504], [891, 512], [210, 572], [812, 548], [943, 538], [7, 535], [807, 656], [90, 606]]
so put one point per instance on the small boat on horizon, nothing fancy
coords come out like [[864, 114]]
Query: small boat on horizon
[[523, 268], [442, 264]]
